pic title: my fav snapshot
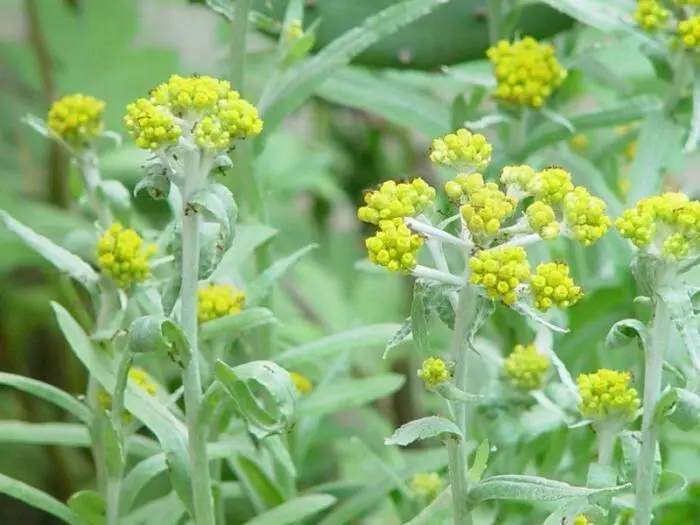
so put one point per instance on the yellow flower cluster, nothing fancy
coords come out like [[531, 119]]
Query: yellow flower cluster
[[518, 177], [462, 150], [214, 114], [586, 216], [606, 394], [123, 256], [426, 485], [581, 520], [551, 185], [218, 300], [434, 371], [500, 271], [394, 246], [543, 220], [669, 223], [527, 72], [301, 382], [394, 200], [526, 368], [689, 32], [76, 119], [485, 206], [651, 15], [551, 286], [141, 379]]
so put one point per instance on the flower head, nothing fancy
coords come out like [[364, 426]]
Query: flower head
[[526, 368], [606, 394], [581, 520], [651, 15], [517, 178], [301, 382], [542, 219], [218, 300], [76, 119], [689, 32], [394, 246], [486, 208], [551, 185], [527, 72], [123, 256], [586, 216], [434, 371], [552, 286], [426, 485], [394, 200], [500, 271], [462, 150], [201, 108]]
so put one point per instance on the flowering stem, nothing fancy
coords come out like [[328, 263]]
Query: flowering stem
[[91, 177], [435, 233], [606, 443], [458, 482], [653, 367], [197, 442], [435, 275]]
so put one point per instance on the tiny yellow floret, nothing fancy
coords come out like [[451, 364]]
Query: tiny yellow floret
[[394, 246], [606, 394], [76, 119], [527, 72], [218, 300], [651, 15], [434, 371], [500, 271], [393, 200], [525, 368], [123, 256], [301, 382], [543, 220], [552, 286], [689, 32], [551, 185], [586, 216], [462, 150]]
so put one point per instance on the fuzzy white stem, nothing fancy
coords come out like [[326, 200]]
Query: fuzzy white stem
[[524, 240], [435, 233], [435, 275]]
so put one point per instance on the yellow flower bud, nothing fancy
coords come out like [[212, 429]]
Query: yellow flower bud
[[586, 216], [434, 371], [526, 368], [462, 150], [302, 383], [551, 185], [426, 485], [606, 394], [689, 32], [76, 119], [393, 200], [500, 271], [542, 220], [651, 15], [394, 246], [218, 300], [123, 256], [552, 286]]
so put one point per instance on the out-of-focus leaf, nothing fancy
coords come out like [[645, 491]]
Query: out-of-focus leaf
[[424, 428]]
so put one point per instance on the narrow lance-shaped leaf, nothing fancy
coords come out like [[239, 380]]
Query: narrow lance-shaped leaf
[[691, 142], [401, 335], [294, 511], [232, 326], [419, 318], [37, 499], [89, 505], [424, 428]]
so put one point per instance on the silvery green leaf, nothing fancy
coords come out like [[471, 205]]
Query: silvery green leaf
[[38, 125], [570, 509], [402, 335], [263, 284], [157, 185], [211, 251], [112, 311], [419, 318], [216, 202], [115, 454], [89, 505], [424, 428], [116, 194], [680, 407], [680, 310], [625, 332], [157, 333], [558, 119], [231, 326], [631, 442], [450, 392], [670, 484], [113, 136], [481, 461], [528, 311]]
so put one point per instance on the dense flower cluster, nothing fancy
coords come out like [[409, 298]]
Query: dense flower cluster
[[551, 185], [606, 394], [689, 32], [581, 520], [218, 300], [552, 286], [542, 219], [76, 119], [394, 246], [301, 382], [500, 271], [527, 72], [393, 200], [586, 216], [668, 225], [123, 256], [651, 15], [525, 368], [426, 485], [462, 150], [202, 108], [485, 207], [434, 371]]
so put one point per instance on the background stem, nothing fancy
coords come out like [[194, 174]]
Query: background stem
[[650, 433]]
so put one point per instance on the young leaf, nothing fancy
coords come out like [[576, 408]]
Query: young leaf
[[680, 310], [624, 332], [604, 16], [349, 393], [294, 511], [37, 499], [216, 202], [335, 344], [529, 312], [670, 483], [294, 87], [48, 393], [419, 318], [263, 284], [231, 326], [248, 238], [424, 428], [89, 505], [401, 335], [157, 333], [681, 407], [112, 444], [157, 186], [61, 258], [481, 461], [631, 442], [261, 489]]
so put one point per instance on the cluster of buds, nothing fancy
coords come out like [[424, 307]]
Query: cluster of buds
[[651, 15], [461, 151], [525, 368], [76, 120], [667, 225], [123, 256], [218, 300], [426, 485], [681, 19], [527, 72], [435, 371], [606, 395]]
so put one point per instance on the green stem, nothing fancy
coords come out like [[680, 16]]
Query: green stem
[[89, 166], [197, 440], [458, 482], [98, 454], [112, 499], [653, 367], [606, 443]]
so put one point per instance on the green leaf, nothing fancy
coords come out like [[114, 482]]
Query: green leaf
[[263, 284], [625, 332], [531, 488], [388, 98], [48, 393], [419, 318], [171, 432], [481, 461], [248, 238], [61, 258], [231, 326], [619, 113], [680, 310], [450, 392], [680, 407], [298, 84], [400, 336], [89, 505], [294, 511], [424, 428], [112, 445], [216, 202], [157, 333], [691, 143], [261, 489], [604, 16], [167, 510], [157, 185], [659, 138], [631, 443], [39, 500], [333, 345], [348, 393], [262, 419], [670, 484]]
